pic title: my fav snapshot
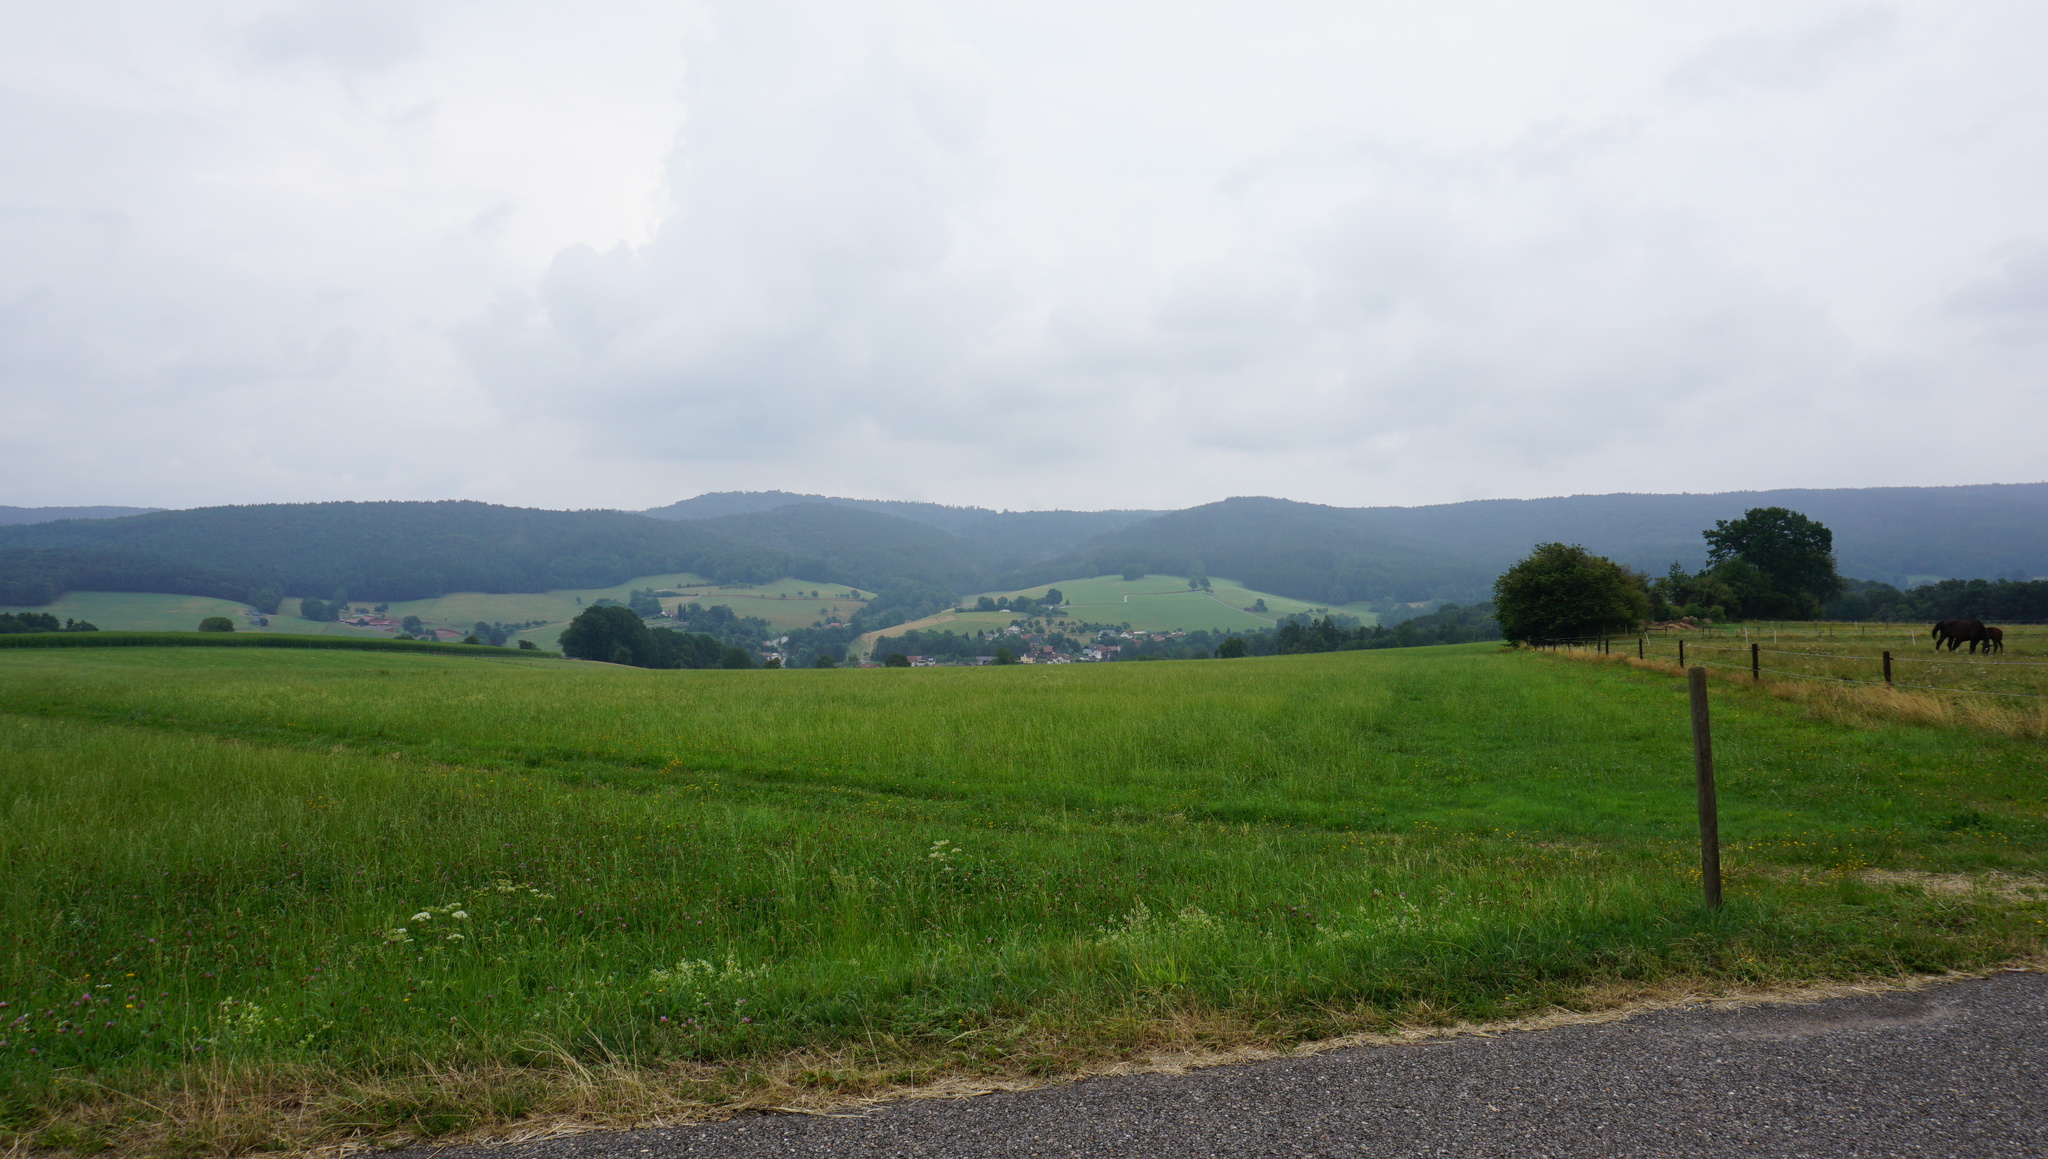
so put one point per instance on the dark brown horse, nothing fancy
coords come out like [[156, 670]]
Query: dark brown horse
[[1994, 639], [1955, 632]]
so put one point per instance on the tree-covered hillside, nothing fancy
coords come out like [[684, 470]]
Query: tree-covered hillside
[[921, 556], [1012, 538], [1898, 535], [370, 551], [1302, 550], [1894, 534], [13, 515], [864, 548]]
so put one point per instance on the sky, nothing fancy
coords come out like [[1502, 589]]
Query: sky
[[1018, 255]]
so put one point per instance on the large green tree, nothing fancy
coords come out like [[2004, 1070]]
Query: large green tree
[[615, 634], [1563, 590], [1796, 555]]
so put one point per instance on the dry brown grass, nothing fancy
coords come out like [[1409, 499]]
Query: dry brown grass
[[1864, 705]]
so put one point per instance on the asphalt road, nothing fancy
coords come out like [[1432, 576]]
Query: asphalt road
[[1955, 1070]]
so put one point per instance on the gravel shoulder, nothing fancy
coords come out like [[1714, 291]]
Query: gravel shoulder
[[1958, 1069]]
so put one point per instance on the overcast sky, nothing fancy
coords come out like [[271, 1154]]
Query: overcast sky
[[1017, 254]]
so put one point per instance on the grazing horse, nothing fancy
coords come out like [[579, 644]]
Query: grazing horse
[[1994, 639], [1955, 632]]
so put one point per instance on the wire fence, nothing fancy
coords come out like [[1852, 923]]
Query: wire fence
[[1826, 653]]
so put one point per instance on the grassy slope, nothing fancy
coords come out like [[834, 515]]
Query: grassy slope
[[1270, 847], [1160, 603], [153, 612], [156, 612], [785, 604]]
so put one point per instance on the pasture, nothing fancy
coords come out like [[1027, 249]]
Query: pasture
[[157, 612], [262, 899], [1164, 603], [462, 610], [785, 604], [1853, 654]]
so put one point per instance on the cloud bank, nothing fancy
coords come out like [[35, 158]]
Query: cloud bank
[[1018, 255]]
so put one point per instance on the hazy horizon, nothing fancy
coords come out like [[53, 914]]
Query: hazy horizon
[[1107, 507]]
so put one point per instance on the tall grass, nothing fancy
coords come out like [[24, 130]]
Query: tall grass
[[410, 894]]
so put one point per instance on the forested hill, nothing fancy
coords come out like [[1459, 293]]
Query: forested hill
[[1897, 535], [866, 549], [1302, 550], [928, 554], [718, 504], [1892, 534], [13, 515], [1012, 538], [373, 551]]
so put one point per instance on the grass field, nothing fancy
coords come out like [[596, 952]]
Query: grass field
[[778, 603], [463, 610], [1163, 603], [1855, 652], [154, 612], [785, 604], [261, 899], [1840, 669]]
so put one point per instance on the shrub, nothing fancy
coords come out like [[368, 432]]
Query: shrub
[[1563, 590], [896, 660], [1230, 649], [216, 624], [528, 646]]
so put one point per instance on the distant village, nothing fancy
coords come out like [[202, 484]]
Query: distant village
[[1105, 643]]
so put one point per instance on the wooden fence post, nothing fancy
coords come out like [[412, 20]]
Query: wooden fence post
[[1703, 783], [1681, 651], [1887, 666], [1639, 647], [1756, 671]]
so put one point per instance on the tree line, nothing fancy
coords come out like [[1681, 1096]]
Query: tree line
[[15, 623], [1772, 563]]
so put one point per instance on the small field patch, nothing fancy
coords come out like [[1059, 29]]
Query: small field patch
[[1165, 603]]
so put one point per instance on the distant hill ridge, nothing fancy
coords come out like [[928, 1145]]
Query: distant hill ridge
[[13, 515], [371, 551], [928, 554], [1012, 537], [1896, 535]]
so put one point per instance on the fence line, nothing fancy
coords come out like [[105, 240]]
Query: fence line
[[1897, 658], [1604, 645]]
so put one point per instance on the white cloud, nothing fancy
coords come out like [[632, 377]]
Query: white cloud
[[1146, 254]]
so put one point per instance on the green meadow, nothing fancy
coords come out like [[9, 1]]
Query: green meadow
[[785, 604], [261, 899], [1164, 603], [156, 612]]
